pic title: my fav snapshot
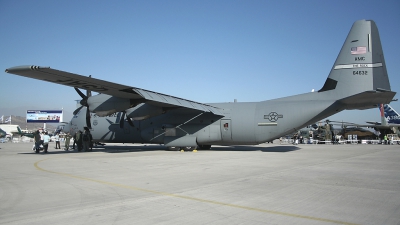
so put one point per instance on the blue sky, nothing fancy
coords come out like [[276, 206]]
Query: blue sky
[[205, 51]]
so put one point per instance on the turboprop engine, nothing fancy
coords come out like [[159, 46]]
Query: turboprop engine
[[104, 105]]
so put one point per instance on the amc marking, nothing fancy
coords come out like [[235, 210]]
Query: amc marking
[[273, 116]]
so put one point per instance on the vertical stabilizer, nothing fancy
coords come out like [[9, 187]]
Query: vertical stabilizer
[[383, 119], [390, 115], [360, 65]]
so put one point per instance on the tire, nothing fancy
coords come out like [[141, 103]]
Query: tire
[[188, 148]]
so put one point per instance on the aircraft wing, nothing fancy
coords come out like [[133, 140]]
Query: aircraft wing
[[369, 124], [373, 123], [379, 126], [109, 88]]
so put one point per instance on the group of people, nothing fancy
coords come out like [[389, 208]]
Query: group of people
[[41, 139], [83, 140], [297, 139]]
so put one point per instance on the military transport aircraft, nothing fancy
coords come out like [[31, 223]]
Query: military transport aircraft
[[120, 113], [390, 121]]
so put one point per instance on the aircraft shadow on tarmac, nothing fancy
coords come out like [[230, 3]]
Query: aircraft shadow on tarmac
[[280, 148], [124, 149]]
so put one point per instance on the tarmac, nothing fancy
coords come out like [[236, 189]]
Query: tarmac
[[146, 184]]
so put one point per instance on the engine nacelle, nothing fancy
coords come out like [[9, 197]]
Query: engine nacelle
[[144, 111], [104, 105]]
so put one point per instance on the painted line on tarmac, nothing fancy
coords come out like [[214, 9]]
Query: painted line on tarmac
[[188, 197]]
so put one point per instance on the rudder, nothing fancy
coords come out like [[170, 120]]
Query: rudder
[[391, 115]]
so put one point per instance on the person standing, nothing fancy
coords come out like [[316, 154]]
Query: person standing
[[41, 136], [295, 140], [90, 141], [67, 141], [79, 140], [57, 139], [38, 141], [73, 146], [86, 139], [46, 140]]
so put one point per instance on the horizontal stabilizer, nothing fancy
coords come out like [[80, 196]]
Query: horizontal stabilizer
[[367, 99]]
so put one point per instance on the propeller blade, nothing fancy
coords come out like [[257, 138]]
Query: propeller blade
[[84, 103], [121, 120], [80, 93], [77, 110], [88, 118]]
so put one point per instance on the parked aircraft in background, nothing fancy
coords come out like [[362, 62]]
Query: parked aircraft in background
[[388, 116], [21, 133], [12, 130], [391, 115], [2, 133], [329, 131], [390, 121], [120, 113]]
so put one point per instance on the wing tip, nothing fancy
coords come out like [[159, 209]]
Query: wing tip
[[25, 67]]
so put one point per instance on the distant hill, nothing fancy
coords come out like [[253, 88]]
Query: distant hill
[[21, 121]]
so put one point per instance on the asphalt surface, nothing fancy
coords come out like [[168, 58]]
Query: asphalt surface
[[138, 184]]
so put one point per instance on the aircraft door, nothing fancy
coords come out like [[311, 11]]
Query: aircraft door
[[226, 130]]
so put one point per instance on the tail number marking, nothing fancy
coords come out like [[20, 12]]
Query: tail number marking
[[360, 72]]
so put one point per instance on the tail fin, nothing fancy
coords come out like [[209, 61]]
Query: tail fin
[[19, 130], [389, 114], [360, 65]]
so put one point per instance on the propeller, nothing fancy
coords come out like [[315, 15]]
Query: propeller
[[83, 103], [121, 121]]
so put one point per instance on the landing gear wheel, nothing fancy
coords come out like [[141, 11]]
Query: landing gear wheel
[[173, 148], [188, 148]]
